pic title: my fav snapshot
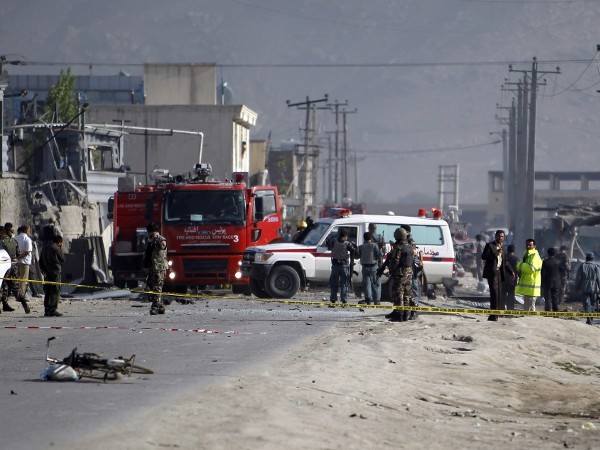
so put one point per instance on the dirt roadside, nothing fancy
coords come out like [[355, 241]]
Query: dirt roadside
[[443, 381]]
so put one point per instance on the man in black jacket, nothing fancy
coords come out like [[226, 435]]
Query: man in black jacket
[[495, 270], [551, 280], [51, 261]]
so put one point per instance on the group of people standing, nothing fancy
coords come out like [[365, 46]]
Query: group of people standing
[[532, 277], [404, 263], [22, 252]]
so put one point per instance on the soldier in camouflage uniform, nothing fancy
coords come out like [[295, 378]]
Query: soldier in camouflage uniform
[[401, 269], [10, 287], [155, 261]]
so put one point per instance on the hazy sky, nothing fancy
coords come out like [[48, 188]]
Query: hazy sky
[[424, 75]]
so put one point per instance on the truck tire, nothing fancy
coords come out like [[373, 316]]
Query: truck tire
[[258, 289], [282, 282]]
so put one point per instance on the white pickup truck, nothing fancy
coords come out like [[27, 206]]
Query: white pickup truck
[[280, 270]]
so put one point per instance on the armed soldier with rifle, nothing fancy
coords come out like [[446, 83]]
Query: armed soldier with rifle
[[400, 264]]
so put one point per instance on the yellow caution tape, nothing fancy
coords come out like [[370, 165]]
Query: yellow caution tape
[[434, 309], [431, 309]]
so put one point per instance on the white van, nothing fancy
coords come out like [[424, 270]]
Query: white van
[[280, 270]]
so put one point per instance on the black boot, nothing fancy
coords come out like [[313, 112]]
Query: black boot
[[396, 316], [412, 315], [405, 315], [6, 307], [157, 308], [25, 306]]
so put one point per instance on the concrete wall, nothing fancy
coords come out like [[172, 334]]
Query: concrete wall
[[180, 84], [258, 152], [224, 128], [14, 195]]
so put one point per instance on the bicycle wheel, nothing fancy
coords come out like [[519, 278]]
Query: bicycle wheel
[[141, 370]]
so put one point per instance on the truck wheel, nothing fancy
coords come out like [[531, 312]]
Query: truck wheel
[[282, 282], [258, 289]]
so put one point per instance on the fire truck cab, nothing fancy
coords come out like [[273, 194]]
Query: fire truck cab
[[207, 225]]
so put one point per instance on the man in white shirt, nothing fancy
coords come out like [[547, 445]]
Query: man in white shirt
[[24, 262]]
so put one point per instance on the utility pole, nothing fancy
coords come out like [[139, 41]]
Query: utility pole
[[307, 191], [345, 153], [336, 180], [524, 217]]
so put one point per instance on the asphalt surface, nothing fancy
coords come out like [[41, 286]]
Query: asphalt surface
[[189, 347]]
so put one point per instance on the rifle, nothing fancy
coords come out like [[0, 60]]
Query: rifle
[[386, 263]]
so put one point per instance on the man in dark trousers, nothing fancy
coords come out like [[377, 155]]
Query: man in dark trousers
[[564, 266], [510, 283], [495, 270], [551, 280], [587, 284], [51, 262]]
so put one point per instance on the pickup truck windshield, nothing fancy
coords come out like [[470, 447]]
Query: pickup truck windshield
[[315, 234], [205, 207]]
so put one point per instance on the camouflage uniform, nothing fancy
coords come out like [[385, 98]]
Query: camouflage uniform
[[155, 260], [401, 268], [10, 287]]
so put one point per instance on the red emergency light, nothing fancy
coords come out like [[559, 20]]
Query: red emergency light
[[339, 212], [437, 213], [422, 213]]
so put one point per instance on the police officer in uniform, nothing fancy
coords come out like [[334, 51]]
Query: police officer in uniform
[[155, 261], [401, 260], [342, 250], [370, 256], [51, 262]]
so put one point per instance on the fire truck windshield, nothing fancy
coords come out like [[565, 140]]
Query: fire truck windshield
[[204, 207]]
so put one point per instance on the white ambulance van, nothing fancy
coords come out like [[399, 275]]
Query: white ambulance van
[[280, 270]]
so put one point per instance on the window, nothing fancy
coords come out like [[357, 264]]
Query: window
[[264, 204], [315, 234], [422, 234], [206, 206], [352, 233]]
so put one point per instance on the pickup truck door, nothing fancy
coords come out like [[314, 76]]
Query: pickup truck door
[[323, 255]]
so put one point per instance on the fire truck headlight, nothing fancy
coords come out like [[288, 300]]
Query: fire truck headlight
[[171, 275], [259, 257], [238, 275]]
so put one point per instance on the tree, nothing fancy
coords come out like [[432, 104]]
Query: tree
[[62, 100]]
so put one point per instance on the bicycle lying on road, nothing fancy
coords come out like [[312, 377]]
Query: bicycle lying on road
[[89, 365]]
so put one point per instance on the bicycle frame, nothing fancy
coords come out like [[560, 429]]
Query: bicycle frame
[[92, 365]]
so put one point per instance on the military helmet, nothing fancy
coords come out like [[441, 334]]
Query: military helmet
[[400, 234]]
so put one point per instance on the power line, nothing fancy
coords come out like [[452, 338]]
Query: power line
[[429, 150], [321, 65], [568, 88]]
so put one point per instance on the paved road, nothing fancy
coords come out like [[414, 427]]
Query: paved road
[[238, 333]]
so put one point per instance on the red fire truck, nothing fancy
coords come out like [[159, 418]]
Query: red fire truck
[[207, 224]]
